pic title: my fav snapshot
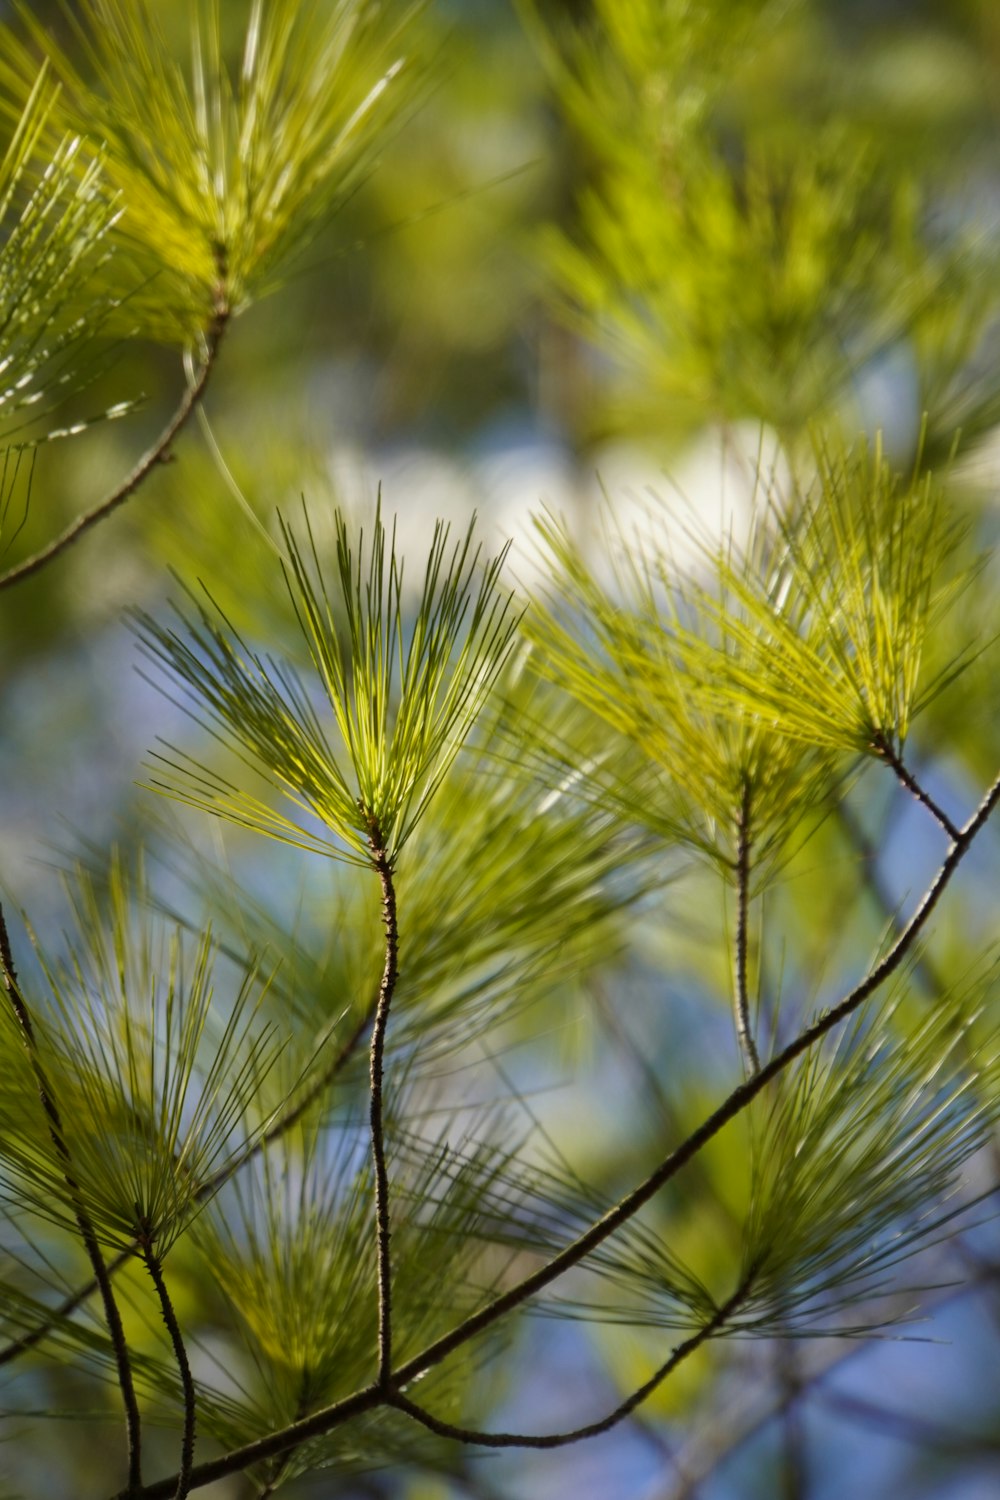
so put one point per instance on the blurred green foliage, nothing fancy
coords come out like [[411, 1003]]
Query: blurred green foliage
[[627, 221]]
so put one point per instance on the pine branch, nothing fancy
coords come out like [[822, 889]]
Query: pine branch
[[881, 896], [374, 1395], [883, 748], [158, 454], [923, 968], [101, 1277], [383, 1227], [734, 1105], [739, 1426], [592, 1429], [155, 1268], [744, 1028], [368, 1399]]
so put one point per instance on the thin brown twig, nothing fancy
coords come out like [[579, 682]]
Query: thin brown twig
[[368, 1399], [882, 898], [154, 1266], [158, 454], [744, 841], [373, 1396], [883, 748], [84, 1224], [592, 1429], [740, 1424], [731, 1107], [383, 1228]]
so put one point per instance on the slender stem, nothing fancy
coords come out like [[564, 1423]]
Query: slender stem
[[159, 453], [744, 1028], [731, 1107], [883, 748], [369, 1398], [375, 1395], [383, 1228], [739, 1425], [155, 1268], [882, 898], [83, 1220], [592, 1429], [923, 968]]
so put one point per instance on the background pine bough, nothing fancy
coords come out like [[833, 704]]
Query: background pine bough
[[269, 1177]]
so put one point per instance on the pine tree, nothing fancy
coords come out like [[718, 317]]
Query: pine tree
[[275, 1194]]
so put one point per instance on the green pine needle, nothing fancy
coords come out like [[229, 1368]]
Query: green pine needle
[[223, 178], [400, 696], [828, 640], [857, 1153], [640, 657], [155, 1079], [57, 217]]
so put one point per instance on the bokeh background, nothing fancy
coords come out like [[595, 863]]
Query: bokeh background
[[440, 341]]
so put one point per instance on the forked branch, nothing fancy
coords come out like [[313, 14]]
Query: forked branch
[[375, 1395], [592, 1429], [159, 453], [884, 749]]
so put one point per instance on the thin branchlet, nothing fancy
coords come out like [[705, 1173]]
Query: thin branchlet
[[883, 900], [744, 844], [373, 1396], [731, 1107], [154, 1266], [383, 1228], [624, 1409], [158, 454], [923, 967], [85, 1226], [884, 749], [280, 1465]]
